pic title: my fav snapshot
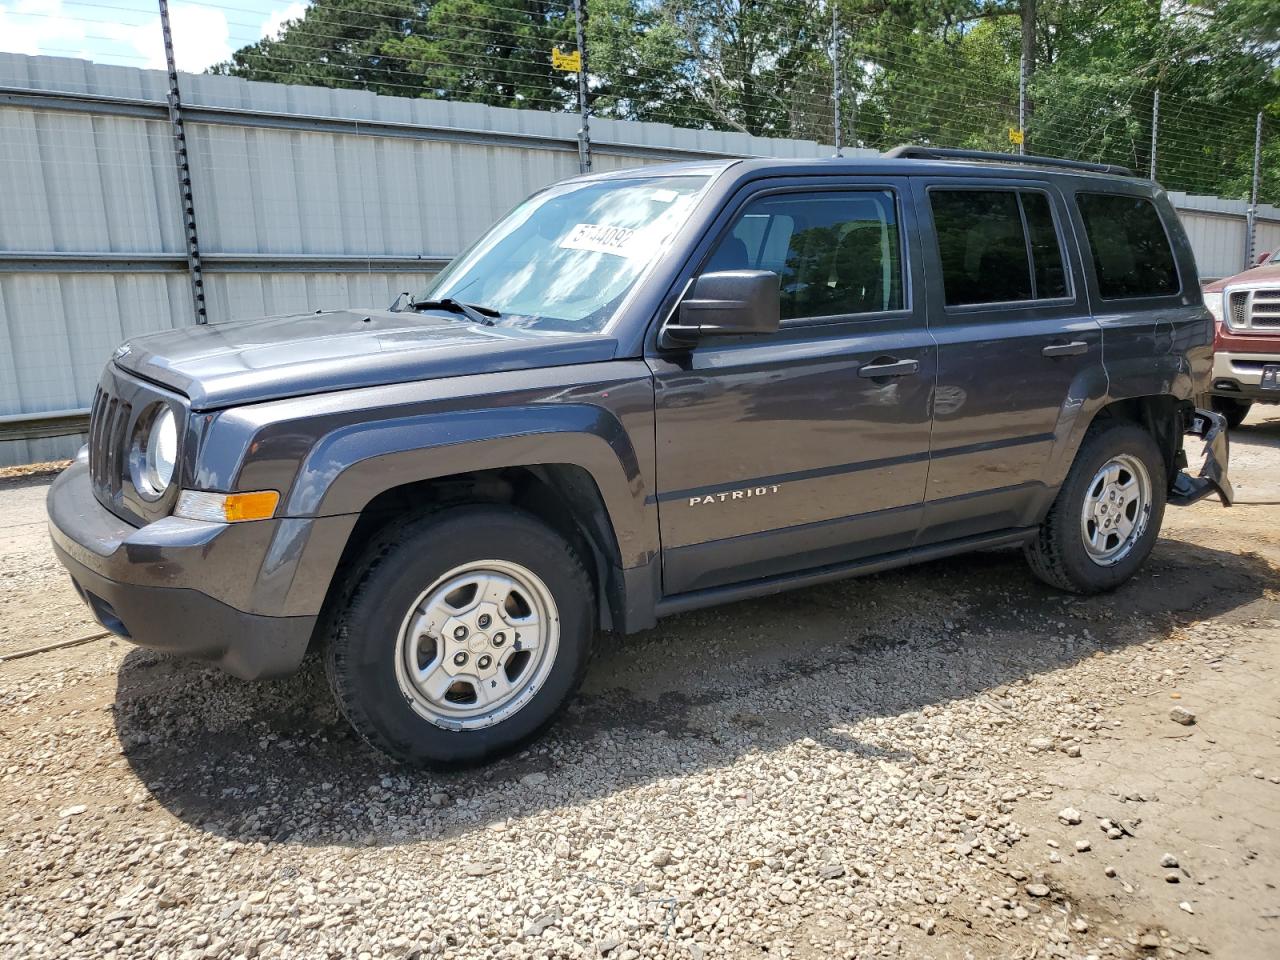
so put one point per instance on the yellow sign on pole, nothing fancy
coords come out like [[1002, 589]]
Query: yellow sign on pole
[[570, 62], [1016, 136]]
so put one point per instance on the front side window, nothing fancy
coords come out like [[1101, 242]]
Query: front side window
[[1131, 252], [997, 246], [565, 259], [836, 253]]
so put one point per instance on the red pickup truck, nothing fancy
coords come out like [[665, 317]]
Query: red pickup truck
[[1246, 346]]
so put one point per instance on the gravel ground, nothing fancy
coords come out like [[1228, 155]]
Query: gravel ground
[[947, 761]]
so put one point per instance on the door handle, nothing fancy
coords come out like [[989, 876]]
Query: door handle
[[1072, 349], [888, 367]]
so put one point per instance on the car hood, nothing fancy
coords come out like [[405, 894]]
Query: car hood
[[226, 364], [1265, 275]]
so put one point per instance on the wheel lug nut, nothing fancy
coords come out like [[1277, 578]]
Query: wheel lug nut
[[499, 639], [459, 658], [485, 620], [459, 633], [483, 662]]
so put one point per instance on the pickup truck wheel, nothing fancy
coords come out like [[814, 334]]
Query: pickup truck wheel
[[463, 635], [1107, 516], [1234, 410]]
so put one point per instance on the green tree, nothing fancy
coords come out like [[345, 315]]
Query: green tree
[[336, 43], [943, 72]]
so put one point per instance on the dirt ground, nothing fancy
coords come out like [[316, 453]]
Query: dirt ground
[[950, 761]]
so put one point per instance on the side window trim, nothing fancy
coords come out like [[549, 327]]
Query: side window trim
[[1072, 295], [1026, 242], [896, 190]]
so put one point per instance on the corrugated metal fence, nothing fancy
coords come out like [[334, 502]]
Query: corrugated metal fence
[[306, 198], [1217, 231]]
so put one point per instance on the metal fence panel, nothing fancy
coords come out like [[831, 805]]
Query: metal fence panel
[[284, 177]]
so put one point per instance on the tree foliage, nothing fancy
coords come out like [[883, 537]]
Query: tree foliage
[[944, 72]]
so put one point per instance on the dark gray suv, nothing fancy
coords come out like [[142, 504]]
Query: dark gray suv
[[642, 393]]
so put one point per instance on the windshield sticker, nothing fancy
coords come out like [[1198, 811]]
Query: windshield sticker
[[601, 238]]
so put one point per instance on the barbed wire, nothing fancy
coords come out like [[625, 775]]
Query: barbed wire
[[923, 86]]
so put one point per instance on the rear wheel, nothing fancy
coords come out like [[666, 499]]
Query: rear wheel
[[1107, 516], [462, 636], [1234, 410]]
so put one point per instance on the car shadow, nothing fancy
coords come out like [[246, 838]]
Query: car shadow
[[274, 762], [1258, 431]]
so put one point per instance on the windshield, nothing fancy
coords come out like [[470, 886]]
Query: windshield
[[567, 257]]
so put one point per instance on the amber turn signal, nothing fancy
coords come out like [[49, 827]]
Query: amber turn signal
[[226, 507]]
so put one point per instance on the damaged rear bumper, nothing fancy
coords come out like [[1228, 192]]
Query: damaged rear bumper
[[1212, 429]]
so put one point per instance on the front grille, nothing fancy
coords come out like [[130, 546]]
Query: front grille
[[121, 407], [1257, 309], [109, 421], [1239, 309], [1265, 308]]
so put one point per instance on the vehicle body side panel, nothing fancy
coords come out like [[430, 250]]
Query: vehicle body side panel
[[773, 453], [1151, 346], [1001, 406]]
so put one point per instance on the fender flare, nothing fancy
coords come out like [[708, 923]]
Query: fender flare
[[348, 467]]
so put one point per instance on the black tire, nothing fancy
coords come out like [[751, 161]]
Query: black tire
[[1234, 410], [1057, 554], [368, 615]]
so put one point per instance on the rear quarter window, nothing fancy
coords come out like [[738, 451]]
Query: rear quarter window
[[1131, 252]]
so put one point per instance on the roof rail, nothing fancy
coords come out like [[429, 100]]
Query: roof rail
[[908, 152]]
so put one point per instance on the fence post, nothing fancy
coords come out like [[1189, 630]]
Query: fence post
[[1251, 220], [1155, 130], [835, 78], [1022, 102], [584, 132], [184, 172]]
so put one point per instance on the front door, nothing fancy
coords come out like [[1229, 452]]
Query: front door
[[1018, 350], [809, 446]]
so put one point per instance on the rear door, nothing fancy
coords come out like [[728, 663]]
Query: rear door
[[1016, 347], [809, 446], [1157, 333]]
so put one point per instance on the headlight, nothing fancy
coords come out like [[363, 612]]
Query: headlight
[[1214, 302], [161, 452]]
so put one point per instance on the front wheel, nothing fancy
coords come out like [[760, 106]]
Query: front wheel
[[1107, 516], [461, 636]]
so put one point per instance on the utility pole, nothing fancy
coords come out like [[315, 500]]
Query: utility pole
[[184, 172], [1155, 130], [584, 132], [1252, 219], [1027, 67], [835, 76]]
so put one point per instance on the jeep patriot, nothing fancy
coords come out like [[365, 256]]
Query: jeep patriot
[[641, 393]]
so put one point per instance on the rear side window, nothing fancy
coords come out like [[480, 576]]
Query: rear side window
[[836, 253], [1131, 252], [997, 246]]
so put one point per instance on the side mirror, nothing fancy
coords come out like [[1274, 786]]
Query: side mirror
[[727, 303]]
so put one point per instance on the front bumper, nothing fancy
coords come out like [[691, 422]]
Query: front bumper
[[155, 585], [1238, 374], [1212, 429]]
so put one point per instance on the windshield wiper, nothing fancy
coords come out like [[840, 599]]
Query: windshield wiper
[[474, 312]]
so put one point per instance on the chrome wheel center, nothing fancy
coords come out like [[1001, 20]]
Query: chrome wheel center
[[477, 644], [1116, 509]]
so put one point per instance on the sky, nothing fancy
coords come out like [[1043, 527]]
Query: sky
[[127, 32]]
